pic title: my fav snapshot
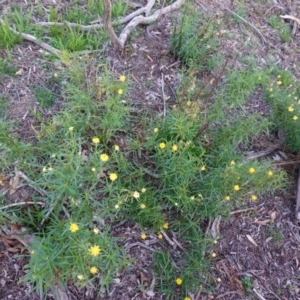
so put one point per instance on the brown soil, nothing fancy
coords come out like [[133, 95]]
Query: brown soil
[[259, 244]]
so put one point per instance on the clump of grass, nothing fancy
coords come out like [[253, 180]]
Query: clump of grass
[[194, 39], [282, 28]]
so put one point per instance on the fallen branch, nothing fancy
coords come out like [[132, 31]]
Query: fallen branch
[[148, 20], [108, 26], [298, 199], [291, 18], [22, 203], [244, 20], [33, 39]]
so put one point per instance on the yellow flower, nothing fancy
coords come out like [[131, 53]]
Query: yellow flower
[[120, 91], [270, 173], [178, 281], [117, 206], [278, 76], [94, 250], [104, 157], [122, 78], [136, 195], [96, 230], [203, 168], [165, 225], [143, 206], [71, 128], [117, 148], [80, 277], [113, 176], [94, 270], [160, 236], [50, 169], [253, 197], [187, 298], [295, 118], [96, 140], [162, 145], [227, 198], [236, 187], [219, 279], [155, 129], [93, 169], [251, 170], [174, 148], [143, 236], [279, 82], [192, 197], [143, 190], [44, 169], [74, 227], [291, 108], [55, 75], [232, 162], [213, 254]]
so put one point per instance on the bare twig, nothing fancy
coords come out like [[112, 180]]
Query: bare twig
[[298, 198], [163, 94], [33, 39], [141, 245], [259, 295], [291, 18], [148, 20], [243, 210], [21, 204], [262, 153], [244, 20], [167, 238]]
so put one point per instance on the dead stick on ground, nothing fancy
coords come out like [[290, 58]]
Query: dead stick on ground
[[148, 20], [243, 210], [22, 203], [298, 199], [33, 39], [291, 18], [241, 18]]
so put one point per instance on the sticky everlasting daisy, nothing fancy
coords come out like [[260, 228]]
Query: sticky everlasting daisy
[[104, 157], [94, 270], [94, 250], [165, 225], [162, 145], [136, 195], [174, 148], [236, 187], [73, 227], [113, 176], [253, 197], [251, 170], [96, 140], [122, 78]]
